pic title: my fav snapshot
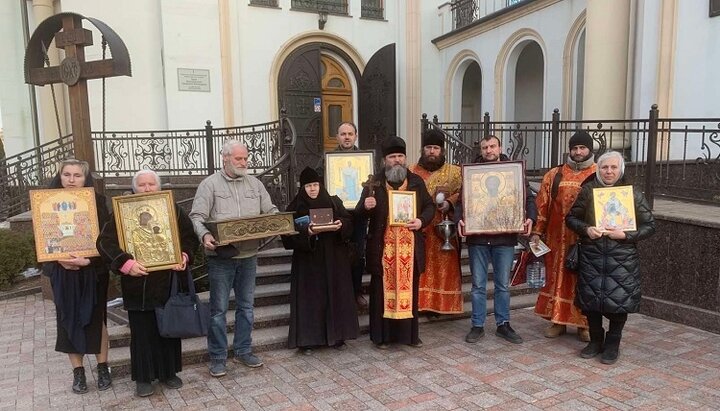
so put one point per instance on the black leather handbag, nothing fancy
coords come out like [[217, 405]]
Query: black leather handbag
[[572, 257], [184, 315]]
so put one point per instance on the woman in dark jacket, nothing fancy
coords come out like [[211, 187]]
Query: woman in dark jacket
[[322, 301], [80, 288], [609, 266], [151, 355]]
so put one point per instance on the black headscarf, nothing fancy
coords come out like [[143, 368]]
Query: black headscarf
[[302, 203]]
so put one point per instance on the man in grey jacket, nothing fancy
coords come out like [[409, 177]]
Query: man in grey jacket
[[230, 193]]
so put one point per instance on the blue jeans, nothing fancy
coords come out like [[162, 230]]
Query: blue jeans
[[502, 260], [227, 274]]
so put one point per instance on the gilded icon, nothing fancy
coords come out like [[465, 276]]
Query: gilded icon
[[614, 208], [65, 223], [402, 207], [147, 229], [345, 173], [494, 197]]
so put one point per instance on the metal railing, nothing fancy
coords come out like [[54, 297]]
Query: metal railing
[[677, 158], [465, 12], [457, 151], [169, 152], [264, 3], [30, 169]]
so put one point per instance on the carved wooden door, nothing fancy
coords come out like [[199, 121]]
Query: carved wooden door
[[299, 86], [377, 100]]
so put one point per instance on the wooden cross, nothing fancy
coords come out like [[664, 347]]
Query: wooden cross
[[74, 71], [371, 184]]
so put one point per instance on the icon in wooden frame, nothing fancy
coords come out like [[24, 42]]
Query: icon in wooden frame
[[402, 206], [494, 197], [345, 173]]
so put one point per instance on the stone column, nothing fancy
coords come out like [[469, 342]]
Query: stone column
[[413, 83], [42, 9], [607, 34]]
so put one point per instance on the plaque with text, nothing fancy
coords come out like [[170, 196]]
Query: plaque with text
[[193, 80]]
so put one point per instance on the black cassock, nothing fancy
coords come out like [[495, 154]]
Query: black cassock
[[322, 301], [385, 330]]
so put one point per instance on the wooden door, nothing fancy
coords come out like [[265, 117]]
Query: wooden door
[[377, 100], [337, 101]]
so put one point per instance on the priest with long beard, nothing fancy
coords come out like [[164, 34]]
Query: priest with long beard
[[395, 254], [441, 285]]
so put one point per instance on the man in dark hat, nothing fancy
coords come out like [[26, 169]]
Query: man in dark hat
[[441, 285], [560, 187], [395, 253]]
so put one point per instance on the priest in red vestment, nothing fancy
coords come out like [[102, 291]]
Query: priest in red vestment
[[556, 301], [395, 249], [440, 286]]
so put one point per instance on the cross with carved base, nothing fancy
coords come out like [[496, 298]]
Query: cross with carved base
[[74, 71]]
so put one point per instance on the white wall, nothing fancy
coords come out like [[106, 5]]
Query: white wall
[[489, 44], [16, 120]]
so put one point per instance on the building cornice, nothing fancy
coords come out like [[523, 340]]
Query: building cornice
[[491, 21]]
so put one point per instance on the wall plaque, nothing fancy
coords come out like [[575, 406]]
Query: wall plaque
[[193, 79]]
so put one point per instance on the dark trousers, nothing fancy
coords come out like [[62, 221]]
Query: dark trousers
[[617, 321]]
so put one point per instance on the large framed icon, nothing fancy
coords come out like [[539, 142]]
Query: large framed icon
[[65, 223], [345, 172], [147, 228], [614, 208], [494, 197]]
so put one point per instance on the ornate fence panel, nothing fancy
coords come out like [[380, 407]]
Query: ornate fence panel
[[28, 170], [263, 141]]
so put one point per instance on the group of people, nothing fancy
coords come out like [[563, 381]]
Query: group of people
[[409, 272]]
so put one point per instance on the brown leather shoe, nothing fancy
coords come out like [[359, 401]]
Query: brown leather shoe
[[583, 334], [556, 330]]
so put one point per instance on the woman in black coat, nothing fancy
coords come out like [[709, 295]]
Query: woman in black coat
[[80, 288], [609, 265], [151, 355], [322, 301]]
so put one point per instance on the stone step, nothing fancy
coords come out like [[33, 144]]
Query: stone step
[[279, 313], [273, 338]]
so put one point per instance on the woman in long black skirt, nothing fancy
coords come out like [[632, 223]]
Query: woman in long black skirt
[[80, 288], [151, 355]]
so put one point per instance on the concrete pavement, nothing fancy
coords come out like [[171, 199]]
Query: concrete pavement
[[662, 366]]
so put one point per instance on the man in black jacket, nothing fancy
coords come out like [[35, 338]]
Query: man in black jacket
[[498, 249]]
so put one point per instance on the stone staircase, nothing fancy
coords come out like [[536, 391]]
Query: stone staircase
[[272, 312]]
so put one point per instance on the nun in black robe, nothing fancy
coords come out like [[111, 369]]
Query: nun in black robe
[[322, 301]]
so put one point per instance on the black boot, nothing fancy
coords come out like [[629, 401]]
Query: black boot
[[104, 380], [79, 382], [612, 348], [595, 346]]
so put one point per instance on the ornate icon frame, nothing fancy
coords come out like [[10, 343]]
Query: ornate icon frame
[[45, 208], [479, 215], [128, 210], [363, 161]]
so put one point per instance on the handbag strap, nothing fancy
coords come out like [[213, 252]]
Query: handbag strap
[[176, 279]]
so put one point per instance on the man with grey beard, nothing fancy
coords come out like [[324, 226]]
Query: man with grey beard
[[230, 193], [395, 252]]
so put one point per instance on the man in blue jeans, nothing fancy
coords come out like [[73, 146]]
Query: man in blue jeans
[[230, 193], [498, 249]]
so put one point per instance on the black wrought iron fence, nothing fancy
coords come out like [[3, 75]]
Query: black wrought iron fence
[[457, 151], [329, 6], [677, 158], [465, 12], [30, 169], [183, 152]]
